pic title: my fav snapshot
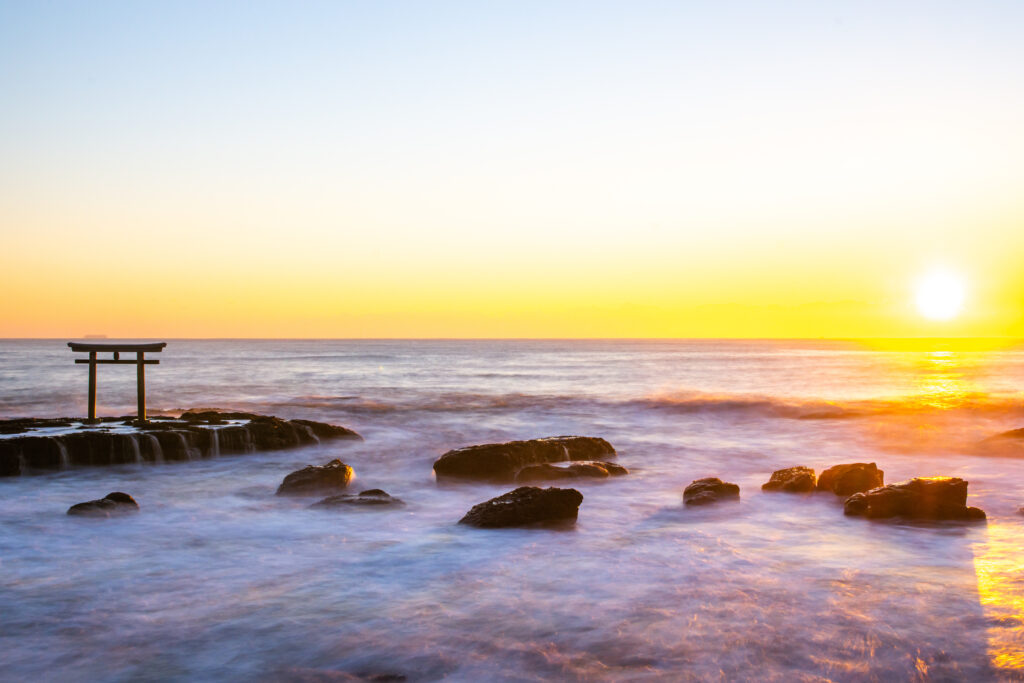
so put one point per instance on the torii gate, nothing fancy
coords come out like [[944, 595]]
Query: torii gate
[[117, 349]]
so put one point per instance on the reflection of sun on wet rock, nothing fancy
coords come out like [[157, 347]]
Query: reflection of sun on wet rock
[[845, 480], [116, 503], [314, 479], [370, 498], [709, 490], [792, 480], [595, 469], [524, 506], [919, 498], [501, 461]]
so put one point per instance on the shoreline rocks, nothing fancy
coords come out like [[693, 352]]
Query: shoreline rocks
[[368, 498], [930, 498], [709, 490], [193, 435], [500, 462], [313, 479], [116, 503], [593, 469], [847, 479], [525, 506], [798, 479]]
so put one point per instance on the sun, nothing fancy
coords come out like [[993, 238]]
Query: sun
[[940, 294]]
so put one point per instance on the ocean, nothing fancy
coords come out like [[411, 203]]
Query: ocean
[[219, 579]]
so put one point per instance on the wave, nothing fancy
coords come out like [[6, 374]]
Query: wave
[[682, 403]]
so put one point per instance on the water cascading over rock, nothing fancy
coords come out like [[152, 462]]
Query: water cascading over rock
[[188, 437]]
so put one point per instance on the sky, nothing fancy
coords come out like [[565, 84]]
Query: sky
[[509, 169]]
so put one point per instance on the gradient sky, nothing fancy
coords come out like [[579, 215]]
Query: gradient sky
[[505, 169]]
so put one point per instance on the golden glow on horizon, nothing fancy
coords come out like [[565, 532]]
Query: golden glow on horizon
[[515, 179], [940, 294]]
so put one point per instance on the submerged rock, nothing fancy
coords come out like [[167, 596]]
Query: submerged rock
[[792, 480], [525, 505], [500, 462], [314, 479], [116, 503], [594, 469], [919, 498], [845, 480], [369, 498], [709, 490]]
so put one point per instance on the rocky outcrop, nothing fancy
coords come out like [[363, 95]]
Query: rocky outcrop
[[587, 469], [933, 498], [499, 462], [709, 490], [112, 441], [525, 506], [370, 498], [116, 503], [845, 480], [792, 480], [314, 479]]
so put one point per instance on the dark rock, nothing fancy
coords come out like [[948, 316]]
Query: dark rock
[[314, 479], [524, 506], [328, 431], [593, 469], [845, 480], [370, 498], [501, 461], [116, 503], [792, 479], [709, 490], [196, 434], [919, 498], [1012, 434]]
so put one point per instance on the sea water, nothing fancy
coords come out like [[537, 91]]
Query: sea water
[[217, 578]]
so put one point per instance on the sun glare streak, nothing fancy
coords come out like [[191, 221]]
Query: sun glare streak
[[998, 567]]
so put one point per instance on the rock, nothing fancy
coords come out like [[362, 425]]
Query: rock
[[500, 462], [525, 505], [845, 480], [792, 479], [193, 435], [323, 430], [919, 498], [594, 469], [370, 498], [314, 479], [116, 503], [709, 490]]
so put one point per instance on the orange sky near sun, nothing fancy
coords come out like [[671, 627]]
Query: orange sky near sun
[[653, 172]]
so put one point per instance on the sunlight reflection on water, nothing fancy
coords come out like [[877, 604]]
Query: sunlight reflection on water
[[219, 579]]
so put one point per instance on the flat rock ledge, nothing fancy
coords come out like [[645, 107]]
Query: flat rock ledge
[[929, 498], [314, 479], [710, 490], [588, 469], [371, 498], [38, 445], [798, 479], [525, 506], [845, 480], [113, 504], [500, 462]]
